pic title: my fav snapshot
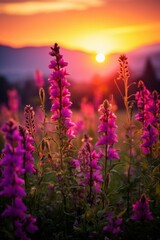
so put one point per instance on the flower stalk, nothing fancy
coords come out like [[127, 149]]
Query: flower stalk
[[12, 182]]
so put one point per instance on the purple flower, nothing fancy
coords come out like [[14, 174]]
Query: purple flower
[[39, 80], [114, 225], [27, 142], [59, 94], [141, 210], [11, 184], [27, 225], [155, 110], [88, 171], [149, 137], [75, 163], [112, 154], [11, 163], [13, 100], [16, 211], [148, 115], [107, 128], [143, 97]]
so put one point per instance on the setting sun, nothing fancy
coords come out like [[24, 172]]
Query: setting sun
[[100, 57]]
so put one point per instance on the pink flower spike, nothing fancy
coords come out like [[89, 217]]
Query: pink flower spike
[[141, 210], [106, 128], [16, 161], [39, 80]]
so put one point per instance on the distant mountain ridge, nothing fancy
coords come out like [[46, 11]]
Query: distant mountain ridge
[[21, 63]]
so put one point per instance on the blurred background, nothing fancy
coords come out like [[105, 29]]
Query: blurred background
[[83, 29]]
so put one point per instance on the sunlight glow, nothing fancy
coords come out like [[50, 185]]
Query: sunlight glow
[[31, 7], [109, 40], [100, 57]]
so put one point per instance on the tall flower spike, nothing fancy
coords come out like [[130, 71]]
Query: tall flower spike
[[144, 102], [60, 94], [88, 169], [27, 142], [39, 80], [11, 163], [123, 74], [141, 210], [123, 69], [149, 138], [29, 117], [107, 136], [155, 109], [147, 114], [107, 128], [11, 184], [114, 225], [13, 100]]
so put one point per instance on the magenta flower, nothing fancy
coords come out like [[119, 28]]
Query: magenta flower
[[107, 128], [144, 101], [11, 184], [107, 137], [112, 154], [27, 225], [141, 210], [155, 109], [17, 211], [79, 127], [148, 108], [75, 163], [60, 94], [92, 169], [27, 142], [149, 138], [13, 100], [11, 163], [114, 225], [39, 80], [87, 169]]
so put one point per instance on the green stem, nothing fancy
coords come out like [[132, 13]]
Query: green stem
[[128, 179], [105, 177], [91, 180]]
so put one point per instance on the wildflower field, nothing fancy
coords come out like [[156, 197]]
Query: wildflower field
[[82, 175]]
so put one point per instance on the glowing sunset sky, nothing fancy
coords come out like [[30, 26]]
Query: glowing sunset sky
[[90, 25]]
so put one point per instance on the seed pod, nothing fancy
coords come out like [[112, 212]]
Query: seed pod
[[42, 96], [29, 115]]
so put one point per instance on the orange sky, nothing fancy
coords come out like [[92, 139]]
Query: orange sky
[[90, 25]]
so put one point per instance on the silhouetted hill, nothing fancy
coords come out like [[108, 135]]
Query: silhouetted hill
[[21, 63]]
